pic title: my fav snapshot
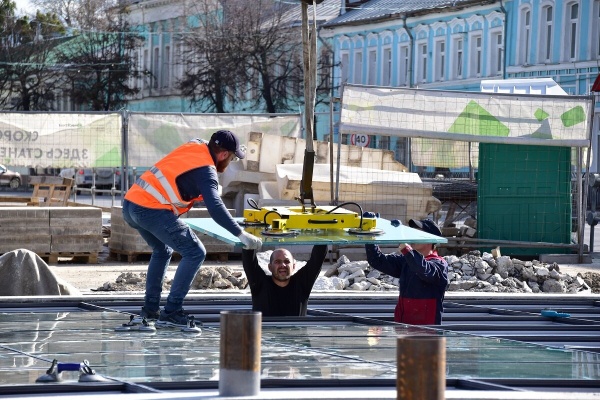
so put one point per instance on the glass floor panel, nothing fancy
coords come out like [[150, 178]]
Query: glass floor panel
[[30, 341]]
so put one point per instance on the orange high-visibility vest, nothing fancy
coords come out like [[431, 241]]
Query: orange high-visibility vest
[[156, 188]]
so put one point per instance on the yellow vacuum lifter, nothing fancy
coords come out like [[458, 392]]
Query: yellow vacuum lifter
[[323, 217]]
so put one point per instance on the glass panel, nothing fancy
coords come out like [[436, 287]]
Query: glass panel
[[344, 351], [391, 235]]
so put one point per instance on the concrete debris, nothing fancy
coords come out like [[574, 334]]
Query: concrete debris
[[474, 272]]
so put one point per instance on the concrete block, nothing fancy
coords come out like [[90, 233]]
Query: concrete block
[[76, 226], [39, 244], [76, 244]]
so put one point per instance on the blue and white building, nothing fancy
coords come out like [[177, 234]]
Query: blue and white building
[[433, 44], [454, 45]]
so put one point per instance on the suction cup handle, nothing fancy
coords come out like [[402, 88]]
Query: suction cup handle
[[68, 367]]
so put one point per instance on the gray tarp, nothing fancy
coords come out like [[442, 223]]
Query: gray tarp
[[24, 273]]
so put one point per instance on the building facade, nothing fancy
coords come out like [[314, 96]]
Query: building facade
[[454, 45], [432, 44]]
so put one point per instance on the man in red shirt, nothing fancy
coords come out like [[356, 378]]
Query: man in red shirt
[[422, 273]]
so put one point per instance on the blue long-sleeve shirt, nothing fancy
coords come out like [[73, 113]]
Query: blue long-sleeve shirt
[[423, 282], [204, 181]]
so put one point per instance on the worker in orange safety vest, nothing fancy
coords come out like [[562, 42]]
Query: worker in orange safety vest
[[153, 205]]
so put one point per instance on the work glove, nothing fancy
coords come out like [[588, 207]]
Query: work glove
[[369, 214], [396, 223], [250, 241]]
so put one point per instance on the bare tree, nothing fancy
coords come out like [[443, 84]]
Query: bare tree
[[210, 65], [271, 49], [84, 15], [28, 79], [246, 55], [100, 66]]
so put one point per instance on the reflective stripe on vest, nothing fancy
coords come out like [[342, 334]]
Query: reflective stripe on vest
[[173, 199], [151, 190]]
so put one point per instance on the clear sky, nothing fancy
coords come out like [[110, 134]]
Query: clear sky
[[24, 5]]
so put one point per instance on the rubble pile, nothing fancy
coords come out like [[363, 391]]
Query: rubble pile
[[221, 277], [471, 272]]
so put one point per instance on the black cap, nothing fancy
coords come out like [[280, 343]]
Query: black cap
[[228, 141], [426, 225]]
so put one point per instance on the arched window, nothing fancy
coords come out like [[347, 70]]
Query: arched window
[[404, 65], [571, 32], [497, 53], [546, 29], [525, 36], [386, 72]]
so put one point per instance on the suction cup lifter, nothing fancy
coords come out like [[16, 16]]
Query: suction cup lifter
[[284, 221], [86, 373]]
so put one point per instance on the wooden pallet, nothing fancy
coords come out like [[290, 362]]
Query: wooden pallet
[[87, 258], [132, 256], [50, 190]]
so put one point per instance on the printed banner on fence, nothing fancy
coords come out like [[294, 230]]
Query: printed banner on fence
[[151, 136], [467, 116], [60, 140]]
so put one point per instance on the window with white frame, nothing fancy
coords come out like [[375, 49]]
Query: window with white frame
[[372, 74], [440, 60], [358, 67], [422, 60], [546, 29], [156, 68], [403, 78], [596, 30], [345, 62], [475, 56], [135, 60], [179, 60], [571, 32], [458, 59], [525, 36], [146, 71], [386, 73], [497, 53], [166, 68]]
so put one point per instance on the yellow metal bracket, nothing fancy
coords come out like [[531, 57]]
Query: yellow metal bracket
[[322, 217]]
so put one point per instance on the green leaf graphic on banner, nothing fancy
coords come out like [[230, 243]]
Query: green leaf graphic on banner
[[111, 158], [572, 117], [475, 120], [541, 114]]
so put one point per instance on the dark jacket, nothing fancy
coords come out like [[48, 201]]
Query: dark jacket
[[423, 282], [291, 300]]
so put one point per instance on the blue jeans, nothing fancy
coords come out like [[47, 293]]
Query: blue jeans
[[165, 232]]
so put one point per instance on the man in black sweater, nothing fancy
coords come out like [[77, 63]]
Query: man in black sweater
[[283, 293]]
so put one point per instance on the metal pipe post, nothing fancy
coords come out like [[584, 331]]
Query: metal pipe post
[[239, 373], [421, 369]]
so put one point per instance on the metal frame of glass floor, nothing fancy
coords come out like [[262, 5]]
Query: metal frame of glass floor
[[352, 353]]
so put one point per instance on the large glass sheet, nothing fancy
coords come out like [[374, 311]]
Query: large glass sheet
[[391, 235], [29, 342]]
